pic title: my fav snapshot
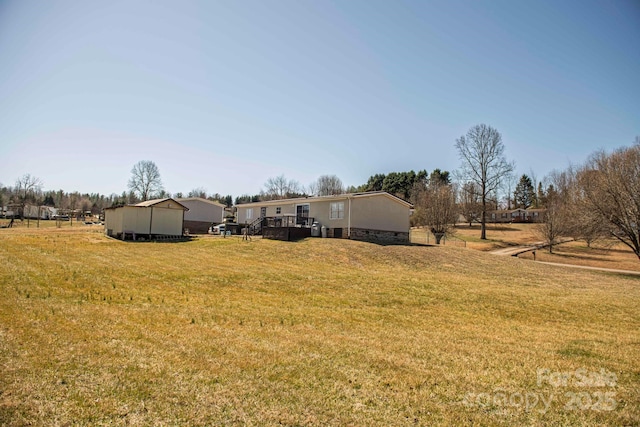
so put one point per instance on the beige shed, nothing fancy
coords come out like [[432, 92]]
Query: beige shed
[[152, 219]]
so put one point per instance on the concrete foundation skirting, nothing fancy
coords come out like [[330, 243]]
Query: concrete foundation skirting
[[368, 235]]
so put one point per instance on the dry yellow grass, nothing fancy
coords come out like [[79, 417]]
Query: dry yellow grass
[[606, 254], [613, 255], [319, 332], [498, 235]]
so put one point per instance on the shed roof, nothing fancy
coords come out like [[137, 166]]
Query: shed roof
[[153, 202]]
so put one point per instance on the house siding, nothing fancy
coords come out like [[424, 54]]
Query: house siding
[[379, 213], [373, 217]]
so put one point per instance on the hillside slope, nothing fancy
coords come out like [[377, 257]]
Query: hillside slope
[[319, 332]]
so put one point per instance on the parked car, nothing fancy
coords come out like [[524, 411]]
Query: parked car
[[218, 229]]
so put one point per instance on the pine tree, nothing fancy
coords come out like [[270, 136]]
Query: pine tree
[[524, 194]]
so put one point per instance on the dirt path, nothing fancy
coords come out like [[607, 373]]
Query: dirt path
[[517, 250], [586, 267]]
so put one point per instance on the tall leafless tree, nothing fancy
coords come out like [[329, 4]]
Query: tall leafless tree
[[435, 207], [145, 180], [611, 185], [483, 163], [558, 220], [509, 185], [534, 183], [28, 186], [469, 203], [198, 192], [280, 187], [327, 185], [27, 191]]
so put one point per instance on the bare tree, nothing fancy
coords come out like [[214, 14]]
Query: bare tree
[[469, 202], [198, 192], [588, 225], [435, 207], [483, 163], [27, 191], [145, 180], [280, 187], [28, 186], [509, 183], [558, 220], [327, 185], [611, 186], [534, 182], [3, 191]]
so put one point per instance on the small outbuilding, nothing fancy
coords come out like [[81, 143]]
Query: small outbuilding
[[152, 219], [201, 214]]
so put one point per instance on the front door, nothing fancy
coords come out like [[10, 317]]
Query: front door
[[263, 212]]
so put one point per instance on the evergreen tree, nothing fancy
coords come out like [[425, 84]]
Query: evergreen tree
[[524, 193]]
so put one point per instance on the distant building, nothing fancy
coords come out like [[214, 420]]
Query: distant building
[[42, 212], [158, 218], [516, 215], [201, 214]]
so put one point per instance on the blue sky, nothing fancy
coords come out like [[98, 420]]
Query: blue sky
[[225, 94]]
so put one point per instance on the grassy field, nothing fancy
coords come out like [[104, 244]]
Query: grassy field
[[498, 235], [605, 254], [216, 331], [614, 255]]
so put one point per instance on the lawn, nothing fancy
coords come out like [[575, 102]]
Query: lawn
[[498, 235], [609, 253], [95, 331]]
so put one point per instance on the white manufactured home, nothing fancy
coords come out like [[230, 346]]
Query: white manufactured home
[[373, 216], [158, 218]]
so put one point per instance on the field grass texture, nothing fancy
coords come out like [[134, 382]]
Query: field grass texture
[[95, 331]]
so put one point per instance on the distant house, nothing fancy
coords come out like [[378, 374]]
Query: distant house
[[373, 216], [201, 214], [516, 215], [158, 218], [42, 212]]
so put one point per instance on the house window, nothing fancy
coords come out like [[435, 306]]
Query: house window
[[249, 216], [278, 210], [337, 210]]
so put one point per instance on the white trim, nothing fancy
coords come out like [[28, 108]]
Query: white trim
[[349, 220]]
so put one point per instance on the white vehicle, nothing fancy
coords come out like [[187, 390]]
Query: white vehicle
[[218, 229]]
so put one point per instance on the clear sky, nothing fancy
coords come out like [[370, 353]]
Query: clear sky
[[225, 94]]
